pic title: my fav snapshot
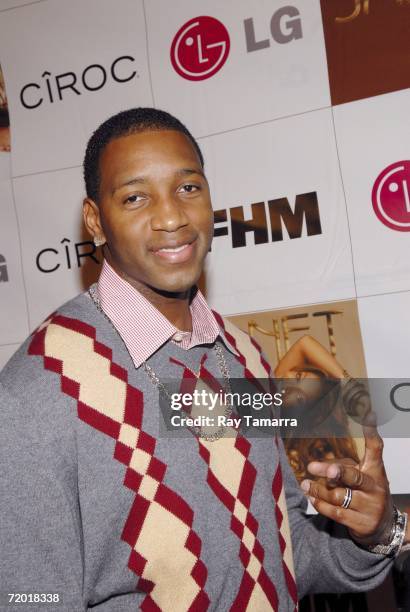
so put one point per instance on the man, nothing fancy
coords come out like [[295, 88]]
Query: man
[[101, 511]]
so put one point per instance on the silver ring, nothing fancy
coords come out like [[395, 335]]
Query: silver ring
[[347, 498]]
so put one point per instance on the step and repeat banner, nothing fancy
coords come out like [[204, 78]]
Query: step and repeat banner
[[301, 108]]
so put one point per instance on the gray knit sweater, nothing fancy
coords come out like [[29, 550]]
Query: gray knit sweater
[[99, 508]]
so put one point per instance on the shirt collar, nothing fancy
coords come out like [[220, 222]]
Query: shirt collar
[[143, 328]]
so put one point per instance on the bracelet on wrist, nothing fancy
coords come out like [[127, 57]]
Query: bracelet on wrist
[[397, 535]]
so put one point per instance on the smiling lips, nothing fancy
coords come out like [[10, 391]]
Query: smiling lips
[[177, 254]]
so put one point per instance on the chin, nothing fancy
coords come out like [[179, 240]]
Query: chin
[[180, 283], [175, 287]]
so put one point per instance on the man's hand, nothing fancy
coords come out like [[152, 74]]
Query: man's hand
[[369, 517]]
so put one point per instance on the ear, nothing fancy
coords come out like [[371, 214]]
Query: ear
[[92, 221]]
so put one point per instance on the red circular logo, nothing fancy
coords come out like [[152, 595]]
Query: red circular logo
[[200, 48], [391, 196]]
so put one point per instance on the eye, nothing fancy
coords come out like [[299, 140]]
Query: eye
[[132, 199], [189, 188]]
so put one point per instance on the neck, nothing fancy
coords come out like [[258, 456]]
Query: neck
[[174, 306]]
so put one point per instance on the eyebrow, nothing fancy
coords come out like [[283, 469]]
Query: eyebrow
[[141, 180]]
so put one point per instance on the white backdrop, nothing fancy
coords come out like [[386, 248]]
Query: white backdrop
[[251, 81]]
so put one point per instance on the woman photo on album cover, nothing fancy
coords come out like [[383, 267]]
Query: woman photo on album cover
[[315, 386]]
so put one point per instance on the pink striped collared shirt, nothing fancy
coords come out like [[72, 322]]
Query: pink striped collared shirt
[[143, 328]]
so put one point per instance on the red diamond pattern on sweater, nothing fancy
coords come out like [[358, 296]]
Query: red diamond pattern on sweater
[[158, 516]]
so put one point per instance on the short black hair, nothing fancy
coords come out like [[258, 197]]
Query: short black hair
[[123, 124]]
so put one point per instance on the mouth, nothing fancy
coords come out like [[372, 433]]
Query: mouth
[[178, 253]]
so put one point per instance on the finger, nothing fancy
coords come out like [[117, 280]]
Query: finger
[[338, 474], [373, 442], [335, 497], [318, 468], [346, 461], [344, 516], [351, 477], [326, 462]]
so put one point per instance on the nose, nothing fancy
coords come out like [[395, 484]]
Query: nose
[[168, 215]]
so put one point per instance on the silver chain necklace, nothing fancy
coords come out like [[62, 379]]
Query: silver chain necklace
[[223, 367]]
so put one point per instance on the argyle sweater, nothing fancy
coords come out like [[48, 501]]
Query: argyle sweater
[[102, 509]]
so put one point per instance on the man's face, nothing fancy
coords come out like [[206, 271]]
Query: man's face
[[155, 210]]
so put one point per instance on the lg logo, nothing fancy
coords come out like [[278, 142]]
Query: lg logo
[[201, 46], [393, 398], [391, 196], [4, 276], [285, 26]]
